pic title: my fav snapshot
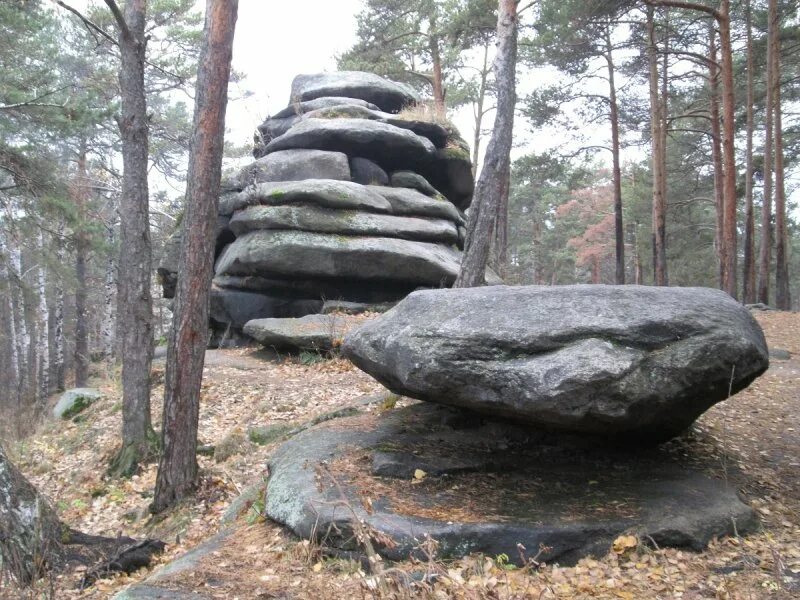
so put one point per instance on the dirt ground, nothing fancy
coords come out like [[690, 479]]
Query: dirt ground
[[755, 434]]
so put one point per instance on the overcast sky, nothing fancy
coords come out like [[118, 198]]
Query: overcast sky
[[274, 42]]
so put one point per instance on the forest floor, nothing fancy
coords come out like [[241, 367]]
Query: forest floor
[[756, 433]]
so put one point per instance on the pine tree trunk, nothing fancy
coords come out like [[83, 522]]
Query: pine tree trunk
[[438, 79], [749, 268], [782, 296], [656, 125], [716, 148], [134, 301], [496, 165], [729, 234], [765, 247], [177, 468], [619, 231]]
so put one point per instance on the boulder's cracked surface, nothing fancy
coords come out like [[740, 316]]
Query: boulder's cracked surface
[[629, 362]]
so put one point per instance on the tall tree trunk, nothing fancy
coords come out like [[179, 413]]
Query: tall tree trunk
[[619, 231], [765, 247], [727, 238], [30, 532], [58, 322], [782, 296], [81, 189], [43, 342], [480, 112], [499, 252], [749, 268], [716, 147], [437, 81], [12, 381], [729, 234], [107, 326], [134, 302], [34, 541], [656, 125], [177, 468], [492, 183], [22, 336]]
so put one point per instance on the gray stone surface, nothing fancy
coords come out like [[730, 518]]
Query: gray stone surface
[[541, 490], [387, 95], [415, 181], [300, 108], [168, 265], [237, 307], [389, 146], [450, 172], [75, 401], [436, 133], [367, 172], [312, 332], [327, 193], [342, 222], [358, 290], [297, 165], [273, 128], [412, 203], [303, 254], [638, 364]]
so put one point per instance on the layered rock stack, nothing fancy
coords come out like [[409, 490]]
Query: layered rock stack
[[355, 195]]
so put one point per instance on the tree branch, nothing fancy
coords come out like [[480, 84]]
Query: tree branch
[[118, 16], [90, 24], [688, 6]]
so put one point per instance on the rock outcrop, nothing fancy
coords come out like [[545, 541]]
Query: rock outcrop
[[628, 362], [351, 198]]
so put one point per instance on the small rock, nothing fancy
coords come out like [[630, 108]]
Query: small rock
[[75, 401]]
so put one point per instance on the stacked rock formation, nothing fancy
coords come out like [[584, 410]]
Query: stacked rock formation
[[353, 197]]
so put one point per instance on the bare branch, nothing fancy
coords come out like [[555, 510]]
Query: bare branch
[[90, 24]]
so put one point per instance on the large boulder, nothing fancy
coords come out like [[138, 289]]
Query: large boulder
[[435, 132], [327, 193], [343, 222], [297, 165], [631, 363], [300, 108], [312, 332], [391, 147], [300, 254], [387, 95], [75, 401], [367, 172], [412, 203]]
